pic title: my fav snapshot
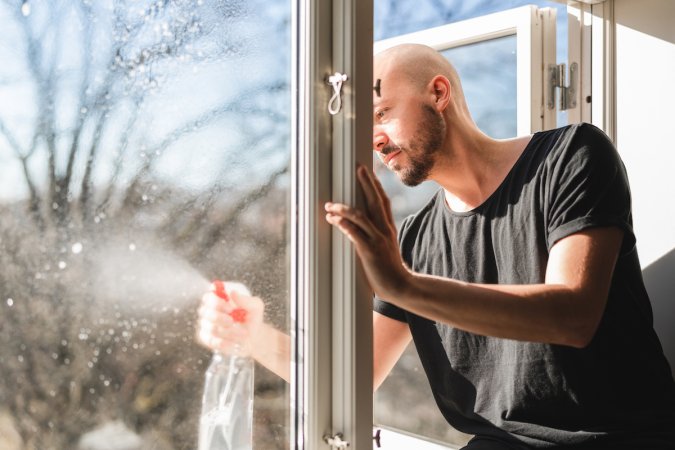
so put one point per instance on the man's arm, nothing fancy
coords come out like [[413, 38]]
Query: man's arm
[[272, 347], [390, 338], [218, 331], [565, 309], [273, 350]]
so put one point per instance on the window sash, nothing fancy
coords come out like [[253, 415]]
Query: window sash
[[331, 373]]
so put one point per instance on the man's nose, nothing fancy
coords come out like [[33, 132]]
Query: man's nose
[[380, 140]]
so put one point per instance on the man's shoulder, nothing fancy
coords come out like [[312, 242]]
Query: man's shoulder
[[575, 135], [572, 142], [426, 216], [579, 129]]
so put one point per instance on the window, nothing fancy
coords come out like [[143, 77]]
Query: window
[[499, 57], [145, 150], [148, 147]]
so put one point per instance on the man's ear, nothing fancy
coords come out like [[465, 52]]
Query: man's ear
[[441, 91]]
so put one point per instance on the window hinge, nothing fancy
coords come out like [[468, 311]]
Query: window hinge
[[335, 103], [336, 441], [556, 79]]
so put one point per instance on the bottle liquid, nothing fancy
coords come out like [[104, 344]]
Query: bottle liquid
[[226, 422]]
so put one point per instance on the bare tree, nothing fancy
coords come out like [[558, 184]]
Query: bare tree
[[89, 145]]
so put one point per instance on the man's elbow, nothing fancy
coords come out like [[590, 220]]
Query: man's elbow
[[582, 330]]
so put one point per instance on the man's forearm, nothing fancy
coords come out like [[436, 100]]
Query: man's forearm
[[548, 313], [272, 349]]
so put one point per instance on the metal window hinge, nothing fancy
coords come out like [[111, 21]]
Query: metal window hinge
[[336, 441], [556, 79], [335, 102]]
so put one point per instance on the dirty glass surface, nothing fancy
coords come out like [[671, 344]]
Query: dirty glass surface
[[144, 151]]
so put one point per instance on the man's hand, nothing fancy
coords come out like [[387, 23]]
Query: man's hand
[[219, 330], [373, 234]]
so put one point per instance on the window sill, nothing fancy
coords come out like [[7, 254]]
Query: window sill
[[398, 440]]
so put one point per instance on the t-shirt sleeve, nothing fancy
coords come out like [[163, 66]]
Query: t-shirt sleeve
[[382, 306], [588, 187], [389, 310]]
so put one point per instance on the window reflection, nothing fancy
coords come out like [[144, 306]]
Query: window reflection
[[145, 151]]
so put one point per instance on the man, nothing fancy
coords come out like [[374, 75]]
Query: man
[[519, 281]]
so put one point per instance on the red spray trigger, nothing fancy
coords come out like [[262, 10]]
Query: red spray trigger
[[219, 289], [237, 314]]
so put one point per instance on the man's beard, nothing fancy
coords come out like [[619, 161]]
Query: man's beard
[[422, 148]]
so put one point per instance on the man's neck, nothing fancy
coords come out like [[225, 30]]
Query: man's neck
[[477, 167]]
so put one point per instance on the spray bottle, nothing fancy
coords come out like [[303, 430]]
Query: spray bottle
[[226, 422]]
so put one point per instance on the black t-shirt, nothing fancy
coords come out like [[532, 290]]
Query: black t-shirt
[[619, 388]]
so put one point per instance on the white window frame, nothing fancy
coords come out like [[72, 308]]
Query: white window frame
[[534, 29], [591, 45], [579, 41], [331, 307], [331, 376], [603, 67]]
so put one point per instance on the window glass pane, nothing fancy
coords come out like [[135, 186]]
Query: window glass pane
[[394, 18], [484, 79], [144, 151], [488, 73]]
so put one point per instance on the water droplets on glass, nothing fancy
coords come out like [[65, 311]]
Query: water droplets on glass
[[25, 9], [139, 88]]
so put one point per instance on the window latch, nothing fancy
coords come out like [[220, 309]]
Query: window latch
[[336, 441], [335, 103]]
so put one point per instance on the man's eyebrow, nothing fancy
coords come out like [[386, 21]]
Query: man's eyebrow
[[376, 88]]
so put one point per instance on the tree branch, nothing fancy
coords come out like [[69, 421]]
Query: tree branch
[[214, 232]]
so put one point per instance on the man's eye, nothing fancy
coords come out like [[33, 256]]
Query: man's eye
[[380, 114]]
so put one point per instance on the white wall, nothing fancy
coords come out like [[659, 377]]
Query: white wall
[[645, 137]]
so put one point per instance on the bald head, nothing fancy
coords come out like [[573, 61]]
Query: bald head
[[416, 64]]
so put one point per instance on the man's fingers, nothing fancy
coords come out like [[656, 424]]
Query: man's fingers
[[355, 216], [377, 200], [353, 232], [215, 329], [386, 203], [252, 304], [212, 301], [373, 200], [216, 342], [213, 315], [217, 336]]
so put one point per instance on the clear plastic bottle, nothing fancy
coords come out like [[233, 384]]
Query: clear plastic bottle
[[226, 422]]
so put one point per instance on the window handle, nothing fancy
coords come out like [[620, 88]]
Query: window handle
[[335, 103]]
